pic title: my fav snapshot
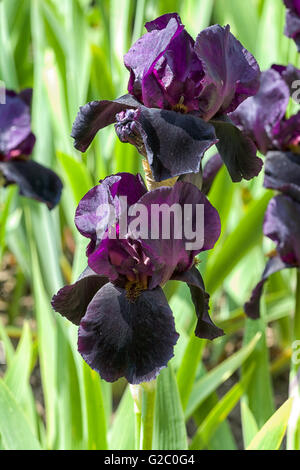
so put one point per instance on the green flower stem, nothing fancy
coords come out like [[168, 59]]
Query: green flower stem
[[144, 401], [136, 392], [148, 405], [293, 435]]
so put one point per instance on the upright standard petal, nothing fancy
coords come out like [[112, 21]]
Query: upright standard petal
[[258, 115], [282, 172], [179, 236], [231, 72], [205, 327], [120, 338], [142, 58], [34, 180], [91, 219]]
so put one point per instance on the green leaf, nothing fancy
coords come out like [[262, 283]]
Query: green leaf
[[122, 432], [95, 413], [219, 413], [210, 382], [272, 433], [169, 425], [16, 433]]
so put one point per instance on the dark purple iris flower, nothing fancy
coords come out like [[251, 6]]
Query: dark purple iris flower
[[263, 118], [180, 92], [282, 225], [292, 25], [126, 327], [16, 145]]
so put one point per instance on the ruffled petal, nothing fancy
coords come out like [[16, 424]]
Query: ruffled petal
[[34, 180], [72, 301], [120, 338], [142, 58], [172, 250], [205, 327], [90, 220], [231, 72]]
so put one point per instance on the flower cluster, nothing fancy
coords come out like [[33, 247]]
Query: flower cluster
[[180, 94], [16, 145], [263, 117]]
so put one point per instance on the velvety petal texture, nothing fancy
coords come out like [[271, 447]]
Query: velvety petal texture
[[205, 327], [260, 114], [95, 115], [231, 72], [119, 338], [34, 180], [170, 250], [237, 150], [175, 143], [16, 137]]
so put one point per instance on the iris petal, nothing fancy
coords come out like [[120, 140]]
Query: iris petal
[[238, 151], [175, 143], [34, 180], [72, 301], [205, 327], [231, 72], [96, 115], [120, 338], [282, 172], [251, 307]]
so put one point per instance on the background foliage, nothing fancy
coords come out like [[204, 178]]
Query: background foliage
[[71, 52]]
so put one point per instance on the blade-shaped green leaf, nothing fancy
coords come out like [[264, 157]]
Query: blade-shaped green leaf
[[271, 434]]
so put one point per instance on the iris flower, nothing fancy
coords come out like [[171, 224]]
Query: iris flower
[[126, 327], [292, 25], [180, 94], [16, 145], [263, 117]]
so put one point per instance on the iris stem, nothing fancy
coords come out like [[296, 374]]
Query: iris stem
[[148, 405], [144, 401], [136, 392], [293, 435]]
